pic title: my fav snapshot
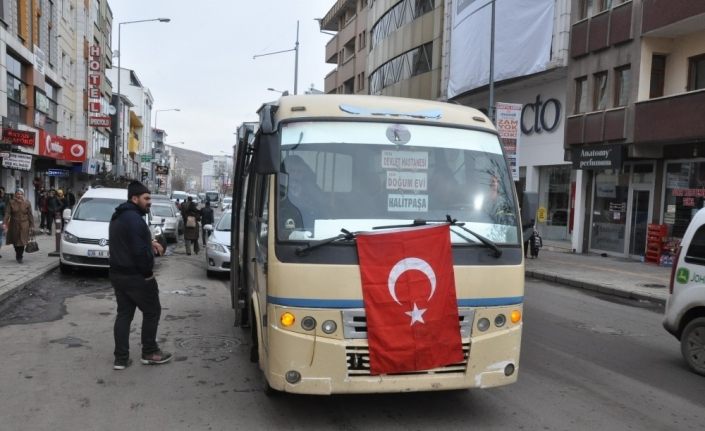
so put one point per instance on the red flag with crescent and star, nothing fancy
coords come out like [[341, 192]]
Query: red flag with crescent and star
[[408, 288]]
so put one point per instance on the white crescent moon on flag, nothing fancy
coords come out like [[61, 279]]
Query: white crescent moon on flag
[[408, 264]]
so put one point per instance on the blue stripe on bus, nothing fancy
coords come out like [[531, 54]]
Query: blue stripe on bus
[[356, 303]]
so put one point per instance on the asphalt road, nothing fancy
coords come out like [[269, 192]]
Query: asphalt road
[[588, 363]]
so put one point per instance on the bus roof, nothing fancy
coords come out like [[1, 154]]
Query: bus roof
[[378, 107]]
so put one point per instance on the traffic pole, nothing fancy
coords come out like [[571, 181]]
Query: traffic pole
[[57, 228]]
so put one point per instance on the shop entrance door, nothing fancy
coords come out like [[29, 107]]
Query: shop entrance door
[[640, 203]]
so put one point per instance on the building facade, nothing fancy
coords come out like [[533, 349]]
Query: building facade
[[348, 47], [636, 85], [405, 44]]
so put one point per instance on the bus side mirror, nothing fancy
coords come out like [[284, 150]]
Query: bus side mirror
[[267, 155]]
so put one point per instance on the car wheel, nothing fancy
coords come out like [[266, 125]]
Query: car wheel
[[65, 269], [693, 345]]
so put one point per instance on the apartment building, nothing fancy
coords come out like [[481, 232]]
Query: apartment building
[[43, 100], [348, 47], [636, 87], [405, 44]]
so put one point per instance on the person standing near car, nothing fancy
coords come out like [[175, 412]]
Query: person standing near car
[[191, 216], [18, 223], [53, 208], [132, 252], [206, 218]]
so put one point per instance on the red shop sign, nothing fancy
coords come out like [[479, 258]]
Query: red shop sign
[[18, 137]]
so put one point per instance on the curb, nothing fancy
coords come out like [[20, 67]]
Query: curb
[[595, 287], [21, 285]]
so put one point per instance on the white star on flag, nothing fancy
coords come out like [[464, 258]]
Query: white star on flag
[[416, 314]]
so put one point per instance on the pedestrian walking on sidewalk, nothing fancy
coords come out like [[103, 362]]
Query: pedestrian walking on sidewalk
[[206, 218], [191, 216], [132, 252], [44, 219], [54, 208], [18, 223], [527, 231]]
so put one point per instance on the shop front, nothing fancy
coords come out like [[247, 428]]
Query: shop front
[[684, 193]]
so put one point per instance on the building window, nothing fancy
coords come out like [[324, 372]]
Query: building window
[[603, 5], [599, 100], [581, 95], [16, 91], [401, 14], [696, 72], [622, 85], [584, 7], [362, 40], [405, 66], [684, 194], [658, 75]]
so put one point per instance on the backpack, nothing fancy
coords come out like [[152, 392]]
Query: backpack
[[191, 221]]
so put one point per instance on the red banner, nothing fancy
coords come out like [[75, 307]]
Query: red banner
[[56, 147], [408, 287], [18, 137]]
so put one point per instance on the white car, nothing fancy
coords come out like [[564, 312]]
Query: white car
[[218, 245], [227, 203], [84, 242], [685, 308]]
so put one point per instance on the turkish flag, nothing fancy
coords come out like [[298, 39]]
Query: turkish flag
[[408, 289]]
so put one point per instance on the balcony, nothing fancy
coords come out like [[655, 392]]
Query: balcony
[[331, 81], [341, 8], [677, 118], [332, 50], [597, 127], [668, 18]]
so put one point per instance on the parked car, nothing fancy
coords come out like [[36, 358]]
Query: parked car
[[161, 199], [84, 242], [685, 308], [218, 245], [172, 219], [178, 195]]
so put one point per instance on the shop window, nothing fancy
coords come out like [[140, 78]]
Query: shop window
[[684, 195], [622, 85], [609, 210], [599, 99], [696, 251], [554, 198], [696, 73], [581, 95], [658, 75]]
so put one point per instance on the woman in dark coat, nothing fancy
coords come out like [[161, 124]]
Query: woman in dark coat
[[191, 233], [18, 223]]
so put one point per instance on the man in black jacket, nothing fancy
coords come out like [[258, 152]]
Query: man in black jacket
[[131, 261]]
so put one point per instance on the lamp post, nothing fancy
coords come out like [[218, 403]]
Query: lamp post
[[121, 118], [296, 60], [156, 113]]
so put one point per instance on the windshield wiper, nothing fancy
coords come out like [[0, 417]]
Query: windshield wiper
[[452, 222], [346, 235]]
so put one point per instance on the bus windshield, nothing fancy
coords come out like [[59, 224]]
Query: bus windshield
[[358, 175], [212, 196]]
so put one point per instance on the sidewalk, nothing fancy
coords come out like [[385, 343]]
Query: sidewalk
[[611, 275], [14, 276]]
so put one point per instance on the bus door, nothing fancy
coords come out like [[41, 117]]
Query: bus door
[[257, 258], [238, 288]]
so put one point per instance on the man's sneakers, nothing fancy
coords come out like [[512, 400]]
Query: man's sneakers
[[157, 358], [121, 364]]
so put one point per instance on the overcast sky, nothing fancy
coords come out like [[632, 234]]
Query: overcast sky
[[201, 62]]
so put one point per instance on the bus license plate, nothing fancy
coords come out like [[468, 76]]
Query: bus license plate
[[98, 253]]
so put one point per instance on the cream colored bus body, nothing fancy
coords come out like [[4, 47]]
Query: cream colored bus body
[[321, 359]]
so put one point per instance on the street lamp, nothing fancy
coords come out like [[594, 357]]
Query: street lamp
[[156, 113], [121, 118], [283, 93], [296, 59]]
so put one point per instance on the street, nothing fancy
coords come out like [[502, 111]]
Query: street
[[588, 362]]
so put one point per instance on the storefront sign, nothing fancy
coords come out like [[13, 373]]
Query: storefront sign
[[94, 81], [19, 161], [508, 120], [162, 170], [18, 137], [56, 147], [99, 121], [63, 173], [539, 116], [145, 158], [596, 157], [542, 215]]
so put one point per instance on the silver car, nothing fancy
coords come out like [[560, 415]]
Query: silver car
[[218, 245], [166, 211]]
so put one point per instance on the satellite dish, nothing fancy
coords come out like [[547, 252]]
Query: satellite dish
[[112, 110]]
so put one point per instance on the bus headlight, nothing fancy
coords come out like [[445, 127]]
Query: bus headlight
[[329, 326], [287, 319], [308, 323], [515, 316], [483, 324]]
